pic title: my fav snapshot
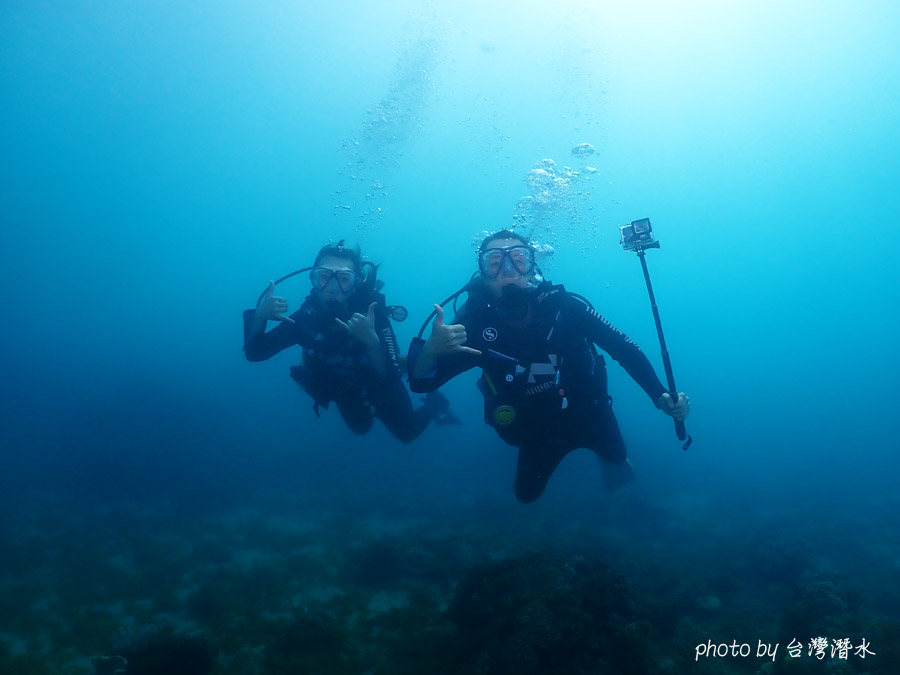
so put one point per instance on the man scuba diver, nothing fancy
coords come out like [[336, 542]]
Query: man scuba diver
[[543, 381], [350, 353]]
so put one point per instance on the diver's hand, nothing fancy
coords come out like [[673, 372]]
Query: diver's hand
[[273, 307], [677, 409], [447, 339], [362, 327]]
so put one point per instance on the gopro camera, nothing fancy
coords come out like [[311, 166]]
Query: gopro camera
[[638, 235]]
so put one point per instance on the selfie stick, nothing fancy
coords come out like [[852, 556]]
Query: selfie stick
[[638, 237]]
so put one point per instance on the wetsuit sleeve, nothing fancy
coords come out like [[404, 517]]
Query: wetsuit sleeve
[[265, 345], [618, 345], [446, 367]]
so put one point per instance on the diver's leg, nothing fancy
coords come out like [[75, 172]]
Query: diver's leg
[[404, 423], [394, 408], [409, 425], [356, 413], [439, 407], [607, 442], [537, 462], [605, 437]]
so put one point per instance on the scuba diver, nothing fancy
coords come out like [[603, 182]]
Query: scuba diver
[[350, 353], [543, 380]]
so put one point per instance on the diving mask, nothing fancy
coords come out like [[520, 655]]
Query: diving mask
[[322, 276], [493, 261]]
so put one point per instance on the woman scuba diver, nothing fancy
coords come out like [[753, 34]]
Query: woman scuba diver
[[350, 353]]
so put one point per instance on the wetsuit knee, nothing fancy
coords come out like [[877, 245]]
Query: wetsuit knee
[[606, 440], [535, 465], [357, 416], [405, 434], [529, 489], [358, 425]]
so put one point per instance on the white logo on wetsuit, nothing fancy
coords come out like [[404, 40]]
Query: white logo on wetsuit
[[542, 369], [489, 334]]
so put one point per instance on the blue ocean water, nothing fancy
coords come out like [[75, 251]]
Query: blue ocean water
[[162, 163]]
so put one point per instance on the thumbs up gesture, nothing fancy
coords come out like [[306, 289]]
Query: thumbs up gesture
[[362, 327], [447, 339]]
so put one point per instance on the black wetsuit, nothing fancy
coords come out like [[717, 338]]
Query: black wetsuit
[[543, 381], [336, 368]]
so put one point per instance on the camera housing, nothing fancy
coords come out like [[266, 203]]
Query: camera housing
[[637, 235]]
